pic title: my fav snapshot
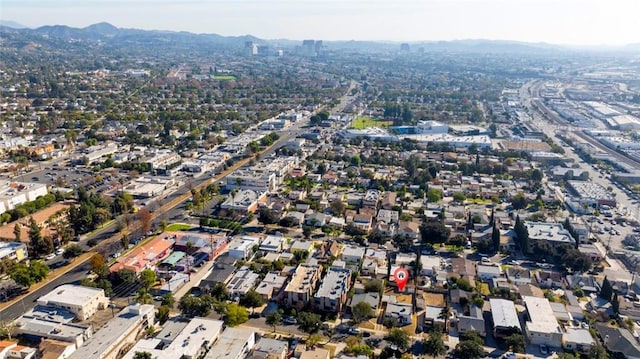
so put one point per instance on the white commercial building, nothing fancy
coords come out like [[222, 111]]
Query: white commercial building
[[13, 194], [79, 300], [193, 342], [431, 128], [542, 327], [120, 331]]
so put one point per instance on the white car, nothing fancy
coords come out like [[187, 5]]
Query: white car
[[59, 251], [50, 256]]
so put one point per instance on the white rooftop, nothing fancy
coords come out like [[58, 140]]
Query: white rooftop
[[75, 295], [504, 313]]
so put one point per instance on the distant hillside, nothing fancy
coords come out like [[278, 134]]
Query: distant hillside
[[12, 24], [113, 37]]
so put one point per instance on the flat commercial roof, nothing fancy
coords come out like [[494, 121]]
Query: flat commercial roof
[[76, 295], [233, 342], [111, 335]]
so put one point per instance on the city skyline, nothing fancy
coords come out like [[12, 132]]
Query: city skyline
[[567, 22]]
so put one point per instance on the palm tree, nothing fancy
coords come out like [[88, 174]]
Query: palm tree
[[444, 315]]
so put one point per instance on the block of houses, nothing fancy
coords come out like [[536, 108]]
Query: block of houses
[[518, 276], [472, 322], [301, 246], [409, 230], [400, 313], [297, 217], [268, 348], [578, 340], [429, 265], [352, 254], [504, 317], [316, 219], [387, 216], [488, 272], [548, 279], [271, 285], [242, 281], [542, 326], [363, 222], [242, 247], [553, 234], [273, 243], [371, 298]]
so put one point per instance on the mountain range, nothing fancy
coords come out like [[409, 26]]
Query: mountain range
[[107, 33]]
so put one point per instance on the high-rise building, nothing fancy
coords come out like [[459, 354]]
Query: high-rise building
[[404, 47]]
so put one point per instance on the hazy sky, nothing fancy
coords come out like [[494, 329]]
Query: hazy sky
[[580, 22]]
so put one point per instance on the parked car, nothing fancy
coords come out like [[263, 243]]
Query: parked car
[[50, 256], [353, 331], [290, 320]]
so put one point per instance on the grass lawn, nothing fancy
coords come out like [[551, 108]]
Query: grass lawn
[[484, 289], [178, 227], [364, 122], [224, 77]]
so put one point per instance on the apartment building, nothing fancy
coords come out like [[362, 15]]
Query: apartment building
[[333, 291], [300, 289]]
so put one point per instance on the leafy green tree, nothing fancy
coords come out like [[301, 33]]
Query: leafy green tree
[[434, 345], [163, 314], [434, 195], [21, 275], [398, 337], [17, 232], [309, 322], [39, 270], [168, 300], [273, 319], [598, 352], [126, 276], [519, 201], [515, 341], [143, 297], [148, 278], [252, 300], [361, 312], [192, 306], [219, 292], [459, 197], [434, 232], [72, 251], [142, 355], [469, 350], [35, 238], [606, 290], [374, 286], [235, 314]]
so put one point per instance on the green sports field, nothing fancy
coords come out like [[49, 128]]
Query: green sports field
[[365, 121]]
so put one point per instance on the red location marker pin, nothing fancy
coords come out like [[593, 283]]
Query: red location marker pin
[[401, 276]]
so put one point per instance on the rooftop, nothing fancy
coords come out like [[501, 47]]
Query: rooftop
[[542, 318], [504, 313], [69, 294], [232, 343], [335, 283]]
